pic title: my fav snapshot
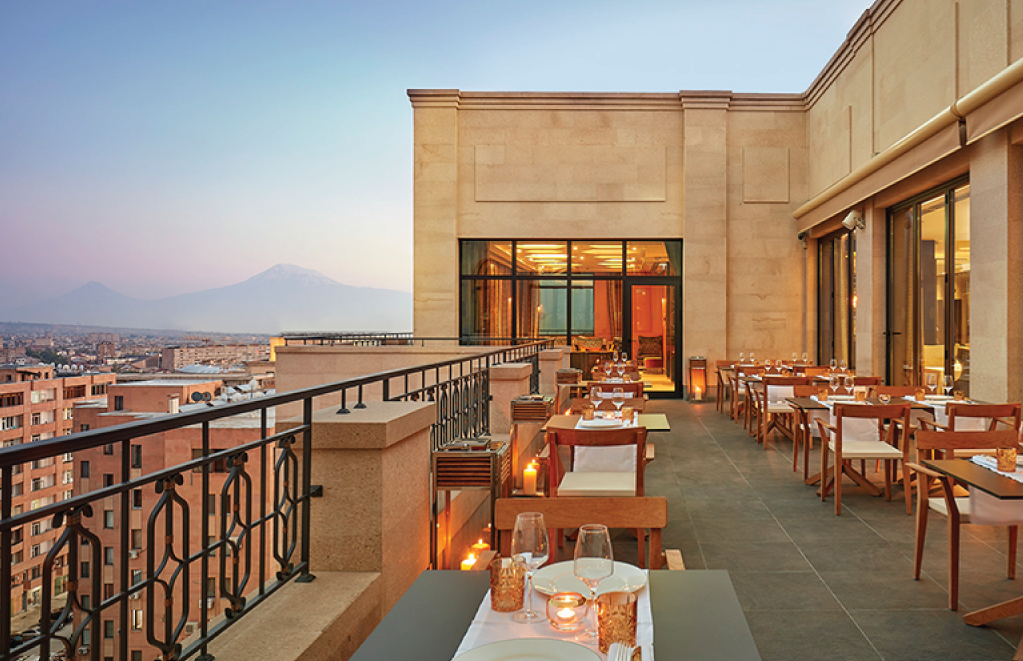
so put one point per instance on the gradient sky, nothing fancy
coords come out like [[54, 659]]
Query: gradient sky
[[162, 147]]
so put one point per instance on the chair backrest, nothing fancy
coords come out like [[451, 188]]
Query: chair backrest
[[878, 412], [805, 390], [778, 388], [940, 444], [1008, 412], [816, 370], [595, 438], [867, 380], [562, 512]]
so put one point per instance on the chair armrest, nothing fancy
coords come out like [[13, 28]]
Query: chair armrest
[[650, 454], [673, 559], [923, 469], [926, 424], [1011, 424], [826, 426]]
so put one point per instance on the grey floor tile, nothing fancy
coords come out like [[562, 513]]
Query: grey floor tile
[[885, 590], [930, 636], [809, 636], [803, 590], [741, 556]]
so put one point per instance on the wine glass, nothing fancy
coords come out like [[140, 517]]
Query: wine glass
[[844, 366], [752, 358], [833, 364], [621, 369], [849, 383], [618, 398], [616, 355], [833, 379], [595, 397], [607, 369], [594, 561], [948, 384], [794, 358], [742, 358], [932, 381], [530, 547], [805, 359]]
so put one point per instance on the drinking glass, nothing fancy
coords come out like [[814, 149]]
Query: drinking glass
[[948, 384], [752, 358], [618, 398], [844, 366], [833, 364], [805, 358], [849, 383], [885, 398], [616, 355], [607, 369], [529, 546], [833, 382], [742, 357], [595, 397], [794, 358], [594, 561], [621, 369], [931, 380], [625, 358]]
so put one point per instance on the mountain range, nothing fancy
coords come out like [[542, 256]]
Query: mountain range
[[284, 297]]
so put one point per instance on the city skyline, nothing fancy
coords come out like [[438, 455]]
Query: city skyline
[[167, 148]]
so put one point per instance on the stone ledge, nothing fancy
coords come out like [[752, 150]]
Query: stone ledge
[[378, 426], [327, 619]]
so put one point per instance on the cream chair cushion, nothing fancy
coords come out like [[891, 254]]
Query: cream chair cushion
[[609, 484]]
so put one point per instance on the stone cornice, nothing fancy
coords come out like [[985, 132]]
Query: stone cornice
[[684, 100]]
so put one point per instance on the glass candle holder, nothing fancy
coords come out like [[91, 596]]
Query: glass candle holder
[[822, 394], [859, 394], [628, 413], [566, 611], [588, 413], [507, 585], [616, 619], [1006, 459], [919, 394], [959, 395]]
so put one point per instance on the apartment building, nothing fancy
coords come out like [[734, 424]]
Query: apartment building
[[36, 404], [101, 467], [221, 355]]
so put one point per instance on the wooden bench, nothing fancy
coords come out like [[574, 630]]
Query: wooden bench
[[561, 513]]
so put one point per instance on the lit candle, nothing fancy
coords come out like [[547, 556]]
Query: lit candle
[[469, 562], [529, 480], [566, 610], [479, 547]]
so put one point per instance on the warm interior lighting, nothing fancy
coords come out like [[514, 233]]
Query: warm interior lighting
[[469, 562]]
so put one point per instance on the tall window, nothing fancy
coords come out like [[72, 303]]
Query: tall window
[[836, 294], [929, 288]]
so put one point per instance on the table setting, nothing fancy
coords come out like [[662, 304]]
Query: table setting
[[591, 608]]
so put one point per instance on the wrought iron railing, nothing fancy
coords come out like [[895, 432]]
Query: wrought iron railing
[[255, 528]]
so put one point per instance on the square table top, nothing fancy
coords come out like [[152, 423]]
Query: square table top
[[988, 481], [652, 421], [697, 617]]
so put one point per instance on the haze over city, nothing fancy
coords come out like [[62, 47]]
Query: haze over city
[[166, 148]]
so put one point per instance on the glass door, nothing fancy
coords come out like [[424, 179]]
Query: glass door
[[652, 339], [929, 289]]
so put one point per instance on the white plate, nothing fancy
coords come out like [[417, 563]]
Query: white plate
[[600, 423], [529, 649], [559, 577]]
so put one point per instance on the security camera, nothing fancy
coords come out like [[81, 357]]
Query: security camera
[[854, 221]]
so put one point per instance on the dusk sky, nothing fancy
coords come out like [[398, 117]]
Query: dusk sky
[[163, 147]]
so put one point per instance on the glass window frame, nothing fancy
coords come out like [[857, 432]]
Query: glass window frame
[[828, 325]]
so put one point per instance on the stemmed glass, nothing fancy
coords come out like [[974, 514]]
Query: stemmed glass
[[742, 358], [621, 369], [948, 384], [804, 358], [794, 359], [932, 381], [833, 378], [594, 561], [616, 355], [844, 367], [607, 369], [752, 358], [530, 547], [849, 383], [833, 364], [595, 397], [618, 398]]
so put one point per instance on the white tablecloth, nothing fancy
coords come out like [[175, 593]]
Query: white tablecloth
[[985, 509], [489, 626]]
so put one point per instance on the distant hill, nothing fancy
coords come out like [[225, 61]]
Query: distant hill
[[284, 297]]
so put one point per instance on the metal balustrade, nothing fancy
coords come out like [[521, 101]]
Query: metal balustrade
[[258, 535]]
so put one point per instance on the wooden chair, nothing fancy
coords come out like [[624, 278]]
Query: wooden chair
[[739, 405], [561, 513], [773, 411], [724, 385], [806, 431], [885, 446], [940, 445], [596, 483], [896, 391]]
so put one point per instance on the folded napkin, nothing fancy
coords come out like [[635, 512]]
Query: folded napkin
[[639, 653], [610, 395], [489, 626]]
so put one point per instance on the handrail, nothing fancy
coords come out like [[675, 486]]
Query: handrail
[[262, 520]]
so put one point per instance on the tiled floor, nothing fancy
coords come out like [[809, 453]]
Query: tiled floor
[[813, 585]]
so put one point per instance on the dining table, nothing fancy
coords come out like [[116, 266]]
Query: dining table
[[654, 422], [966, 472], [696, 616]]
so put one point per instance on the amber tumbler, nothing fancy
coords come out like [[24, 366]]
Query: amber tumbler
[[616, 619], [507, 585]]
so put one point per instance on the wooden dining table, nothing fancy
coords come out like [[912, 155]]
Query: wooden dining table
[[968, 473], [697, 617], [654, 422]]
